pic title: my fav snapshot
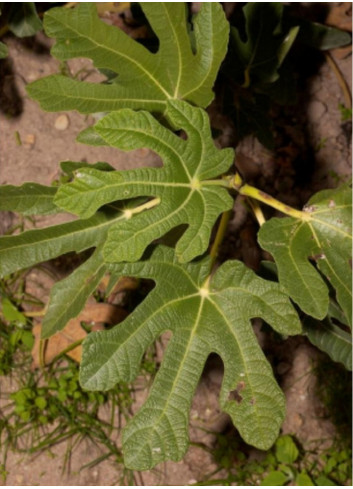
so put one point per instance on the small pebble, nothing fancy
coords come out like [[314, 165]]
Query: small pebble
[[297, 420], [62, 122], [316, 110], [29, 141]]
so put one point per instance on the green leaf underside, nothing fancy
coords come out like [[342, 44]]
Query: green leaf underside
[[39, 245], [69, 167], [28, 199], [146, 80], [326, 238], [202, 322], [68, 297], [335, 312], [331, 339], [181, 185]]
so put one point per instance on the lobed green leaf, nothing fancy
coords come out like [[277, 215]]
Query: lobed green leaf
[[68, 296], [331, 339], [325, 238], [39, 245], [28, 199], [183, 67], [203, 320], [182, 187]]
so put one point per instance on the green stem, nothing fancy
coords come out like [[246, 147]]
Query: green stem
[[235, 182], [254, 193], [223, 182], [42, 346], [66, 350], [257, 211], [148, 205], [261, 196], [221, 231]]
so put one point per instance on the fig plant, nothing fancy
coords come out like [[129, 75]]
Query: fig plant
[[122, 217]]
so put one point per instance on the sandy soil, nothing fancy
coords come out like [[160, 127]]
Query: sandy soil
[[36, 159]]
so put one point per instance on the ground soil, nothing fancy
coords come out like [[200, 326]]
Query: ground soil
[[317, 125]]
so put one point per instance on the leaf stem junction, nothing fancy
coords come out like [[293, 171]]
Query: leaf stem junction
[[235, 182]]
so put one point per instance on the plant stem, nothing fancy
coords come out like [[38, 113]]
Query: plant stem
[[147, 205], [66, 350], [257, 211], [42, 346], [221, 231], [257, 194], [244, 189], [34, 314]]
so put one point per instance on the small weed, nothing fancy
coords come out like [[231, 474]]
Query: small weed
[[285, 464], [346, 113], [49, 406], [335, 389], [321, 144]]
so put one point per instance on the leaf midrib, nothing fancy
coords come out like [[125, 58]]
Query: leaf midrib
[[102, 99], [328, 262], [334, 228], [131, 60], [176, 211], [295, 266], [138, 329], [321, 211], [79, 231], [180, 369], [149, 135], [171, 23]]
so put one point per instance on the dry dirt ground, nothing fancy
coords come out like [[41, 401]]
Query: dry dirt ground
[[36, 159]]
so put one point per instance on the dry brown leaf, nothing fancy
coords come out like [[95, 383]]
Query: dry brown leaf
[[114, 7], [123, 284], [126, 283], [95, 314]]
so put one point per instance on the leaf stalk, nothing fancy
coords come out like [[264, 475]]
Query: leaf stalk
[[147, 205], [236, 183], [221, 231]]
